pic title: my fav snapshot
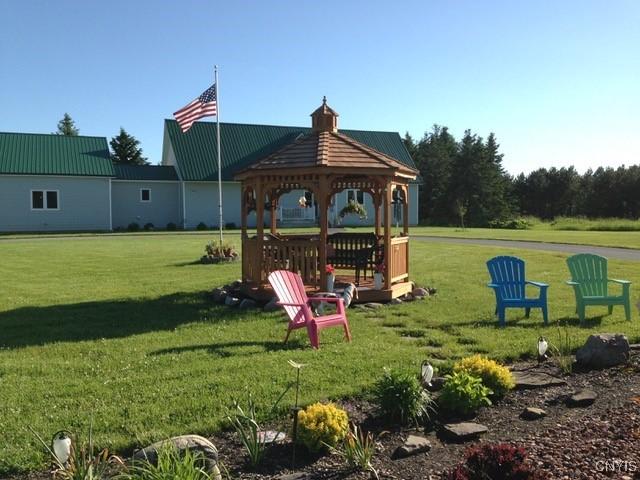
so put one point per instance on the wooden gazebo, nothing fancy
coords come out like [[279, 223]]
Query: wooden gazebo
[[324, 162]]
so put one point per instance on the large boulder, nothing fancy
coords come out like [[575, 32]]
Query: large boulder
[[604, 350], [194, 443]]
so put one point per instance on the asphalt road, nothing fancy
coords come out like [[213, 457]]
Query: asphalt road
[[609, 252]]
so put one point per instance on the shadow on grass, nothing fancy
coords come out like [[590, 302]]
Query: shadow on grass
[[27, 326], [222, 349]]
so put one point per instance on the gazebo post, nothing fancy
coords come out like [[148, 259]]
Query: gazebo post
[[243, 229], [274, 204], [405, 211], [259, 228], [376, 206], [388, 198], [322, 248]]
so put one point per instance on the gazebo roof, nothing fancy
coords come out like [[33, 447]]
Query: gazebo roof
[[327, 149]]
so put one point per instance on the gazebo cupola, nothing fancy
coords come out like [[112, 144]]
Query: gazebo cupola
[[324, 118]]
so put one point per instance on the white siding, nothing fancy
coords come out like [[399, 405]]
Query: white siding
[[164, 207], [83, 203]]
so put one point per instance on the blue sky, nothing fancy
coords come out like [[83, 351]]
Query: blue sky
[[558, 82]]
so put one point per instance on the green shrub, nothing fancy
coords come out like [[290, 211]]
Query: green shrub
[[358, 449], [245, 424], [400, 397], [511, 224], [321, 426], [463, 393], [171, 465], [495, 376], [148, 227], [201, 226], [172, 227], [133, 227]]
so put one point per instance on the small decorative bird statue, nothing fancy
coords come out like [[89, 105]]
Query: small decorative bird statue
[[61, 444]]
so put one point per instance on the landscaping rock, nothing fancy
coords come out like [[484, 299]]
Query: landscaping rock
[[436, 384], [218, 295], [395, 301], [634, 346], [408, 298], [527, 380], [194, 443], [460, 432], [583, 398], [293, 476], [373, 305], [533, 413], [412, 446], [604, 350], [231, 301], [420, 292], [271, 436], [247, 303], [272, 305]]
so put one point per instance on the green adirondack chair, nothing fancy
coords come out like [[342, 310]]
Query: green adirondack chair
[[591, 284]]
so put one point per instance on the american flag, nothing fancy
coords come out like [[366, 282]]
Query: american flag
[[203, 106]]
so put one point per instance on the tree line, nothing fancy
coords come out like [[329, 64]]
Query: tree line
[[125, 148], [463, 182]]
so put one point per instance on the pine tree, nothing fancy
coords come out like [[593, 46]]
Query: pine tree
[[126, 150], [67, 127]]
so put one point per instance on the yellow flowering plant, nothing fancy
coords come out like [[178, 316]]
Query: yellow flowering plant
[[493, 375], [322, 425]]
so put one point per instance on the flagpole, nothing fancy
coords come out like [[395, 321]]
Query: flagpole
[[220, 224]]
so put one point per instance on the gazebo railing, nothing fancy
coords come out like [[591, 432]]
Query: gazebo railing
[[300, 256], [399, 253]]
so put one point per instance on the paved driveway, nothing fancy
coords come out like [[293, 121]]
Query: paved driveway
[[609, 252]]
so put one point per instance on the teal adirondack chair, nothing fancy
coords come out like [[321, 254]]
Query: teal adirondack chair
[[509, 284], [591, 284]]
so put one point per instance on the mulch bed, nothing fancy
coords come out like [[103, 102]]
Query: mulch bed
[[601, 441]]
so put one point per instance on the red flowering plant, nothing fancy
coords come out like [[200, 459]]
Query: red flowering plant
[[329, 269]]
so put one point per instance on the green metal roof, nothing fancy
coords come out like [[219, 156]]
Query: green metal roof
[[44, 154], [244, 144], [146, 172]]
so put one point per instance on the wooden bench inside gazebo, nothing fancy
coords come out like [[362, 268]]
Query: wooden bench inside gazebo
[[326, 162]]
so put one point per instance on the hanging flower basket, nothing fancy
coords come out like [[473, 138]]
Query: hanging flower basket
[[353, 208]]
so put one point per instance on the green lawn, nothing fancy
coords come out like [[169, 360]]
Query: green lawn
[[607, 239], [119, 327]]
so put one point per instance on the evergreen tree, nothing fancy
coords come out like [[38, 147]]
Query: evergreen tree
[[67, 126], [434, 157], [125, 150]]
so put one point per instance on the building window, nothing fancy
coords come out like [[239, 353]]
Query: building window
[[44, 200], [355, 196], [145, 194]]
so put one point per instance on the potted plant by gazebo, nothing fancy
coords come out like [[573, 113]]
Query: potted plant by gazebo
[[378, 276]]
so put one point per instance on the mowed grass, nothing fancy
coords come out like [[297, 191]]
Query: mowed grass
[[120, 329], [622, 239]]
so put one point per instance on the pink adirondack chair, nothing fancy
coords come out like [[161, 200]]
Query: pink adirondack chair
[[292, 296]]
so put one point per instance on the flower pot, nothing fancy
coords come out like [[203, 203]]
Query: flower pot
[[378, 280], [331, 279]]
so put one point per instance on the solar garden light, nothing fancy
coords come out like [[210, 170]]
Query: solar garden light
[[61, 446], [426, 373], [542, 349], [295, 410]]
